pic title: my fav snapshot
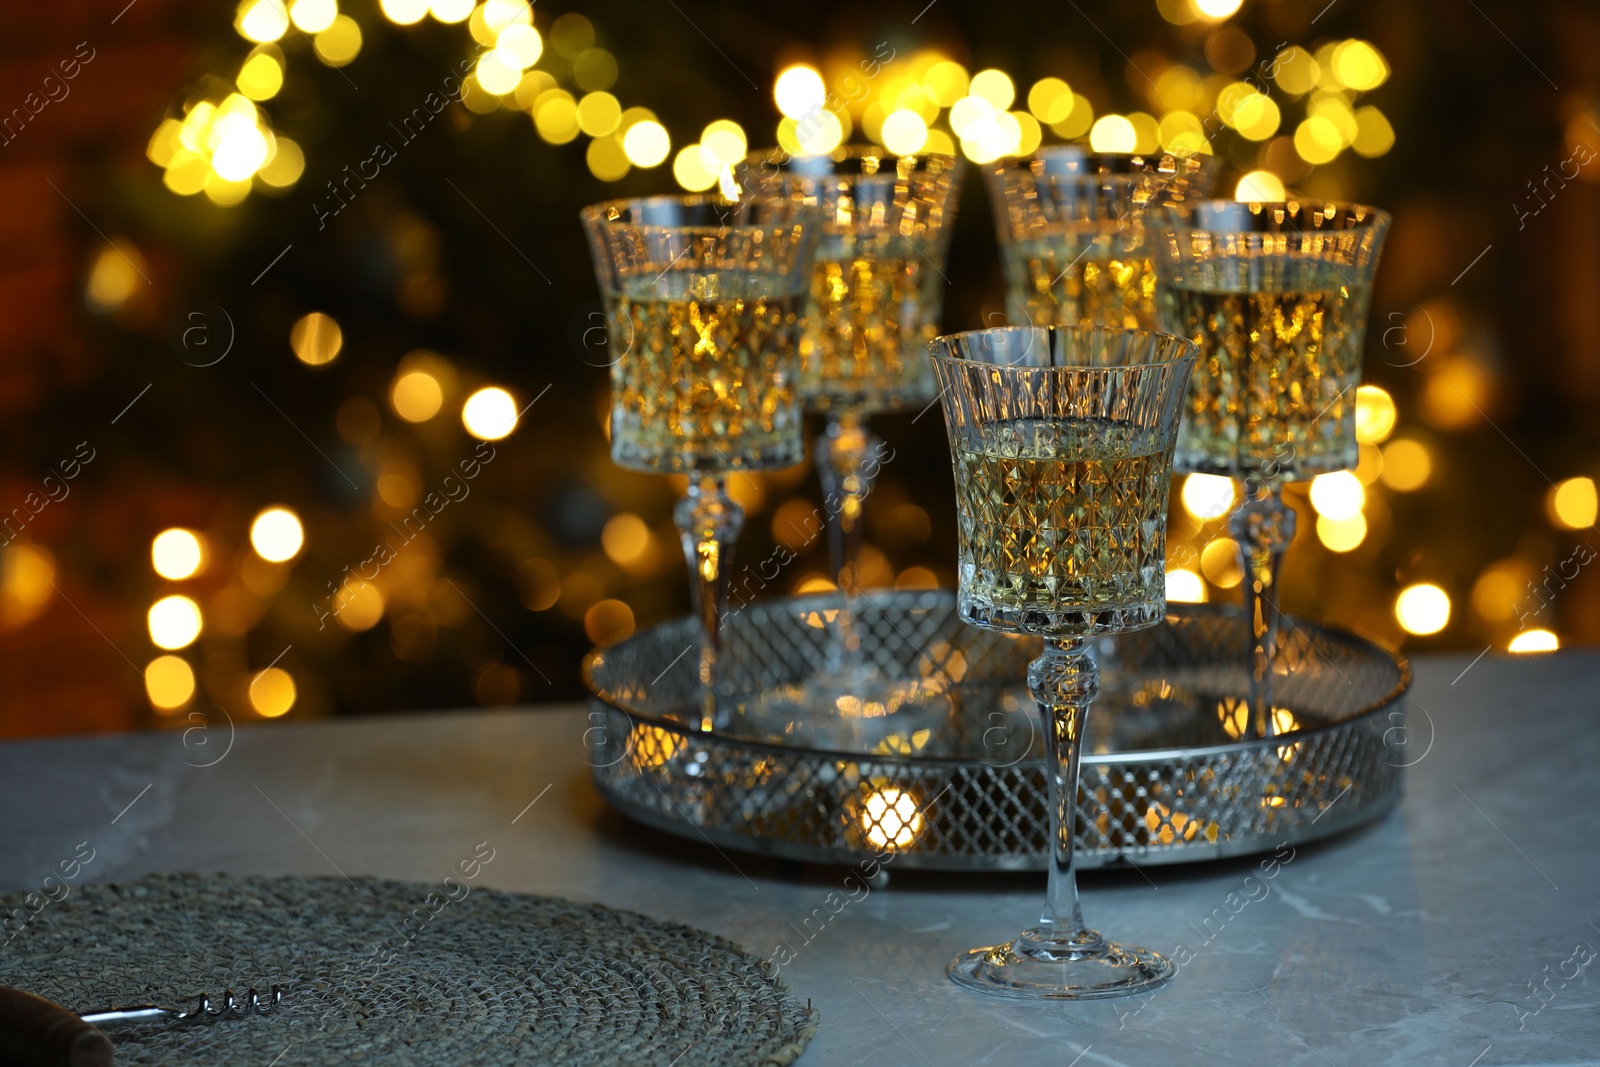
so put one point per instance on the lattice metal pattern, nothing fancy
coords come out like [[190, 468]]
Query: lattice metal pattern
[[961, 783]]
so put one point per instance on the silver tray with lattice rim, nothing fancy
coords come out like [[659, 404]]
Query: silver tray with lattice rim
[[940, 760]]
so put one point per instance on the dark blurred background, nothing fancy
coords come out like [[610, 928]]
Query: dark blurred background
[[271, 280]]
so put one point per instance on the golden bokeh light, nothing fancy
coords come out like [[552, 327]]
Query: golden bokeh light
[[174, 622], [1185, 587], [169, 683], [451, 12], [1422, 609], [316, 339], [416, 396], [904, 132], [1295, 70], [646, 143], [599, 114], [403, 12], [313, 16], [115, 276], [285, 166], [822, 132], [489, 414], [177, 554], [1219, 562], [1207, 496], [625, 538], [946, 82], [1259, 185], [726, 141], [1050, 99], [261, 21], [1217, 9], [272, 692], [1342, 535], [1338, 495], [1374, 135], [1573, 503], [340, 43], [555, 116], [360, 605], [520, 44], [608, 621], [1407, 465], [261, 76], [606, 158], [1375, 414], [499, 72], [799, 90], [1359, 66], [1317, 140], [696, 168], [1497, 593], [993, 86], [276, 535], [1113, 133], [1534, 641]]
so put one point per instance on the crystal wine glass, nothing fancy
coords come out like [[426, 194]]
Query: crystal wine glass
[[704, 299], [877, 289], [1276, 297], [1062, 442], [1071, 224]]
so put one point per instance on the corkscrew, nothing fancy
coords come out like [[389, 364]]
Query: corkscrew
[[35, 1032]]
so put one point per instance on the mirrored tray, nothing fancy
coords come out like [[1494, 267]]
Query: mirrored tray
[[938, 758]]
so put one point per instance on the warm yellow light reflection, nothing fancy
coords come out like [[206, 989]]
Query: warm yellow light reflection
[[1573, 503], [1219, 562], [1259, 185], [625, 538], [177, 554], [1207, 496], [1217, 9], [276, 535], [489, 414], [1422, 609], [316, 339], [1375, 414], [1185, 587], [416, 396], [1113, 133], [115, 276], [995, 86], [261, 20], [904, 132], [1338, 495], [272, 692], [168, 682], [1407, 465], [403, 12], [260, 77], [174, 622], [891, 819], [360, 605], [1342, 535], [1534, 641], [646, 143], [799, 90], [339, 43]]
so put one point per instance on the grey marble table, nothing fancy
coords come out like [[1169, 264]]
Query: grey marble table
[[1454, 931]]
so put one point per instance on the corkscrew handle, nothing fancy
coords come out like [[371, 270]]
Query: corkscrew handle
[[35, 1032]]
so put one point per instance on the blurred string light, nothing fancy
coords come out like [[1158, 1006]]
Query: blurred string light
[[1422, 608], [174, 622], [489, 414], [169, 683], [272, 692], [924, 102], [1574, 504], [276, 535], [1534, 641], [177, 554]]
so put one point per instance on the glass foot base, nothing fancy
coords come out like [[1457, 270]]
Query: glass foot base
[[1039, 966]]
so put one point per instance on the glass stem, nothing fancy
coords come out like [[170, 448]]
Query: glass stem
[[1064, 681], [846, 468], [1263, 526], [709, 523]]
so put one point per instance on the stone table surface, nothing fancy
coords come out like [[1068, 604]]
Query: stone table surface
[[1456, 930]]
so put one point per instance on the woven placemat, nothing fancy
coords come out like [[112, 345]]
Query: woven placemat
[[394, 973]]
